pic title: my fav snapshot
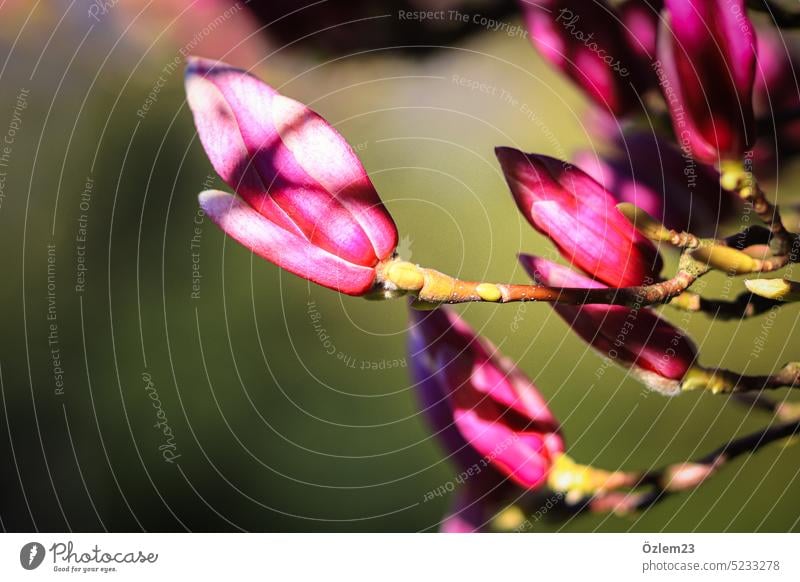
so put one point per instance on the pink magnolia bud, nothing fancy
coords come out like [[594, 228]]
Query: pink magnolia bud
[[486, 412], [658, 352], [588, 42], [776, 99], [707, 55], [580, 217], [640, 22], [652, 173], [306, 202], [775, 86]]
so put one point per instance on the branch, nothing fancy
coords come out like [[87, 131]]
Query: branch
[[785, 411], [734, 177], [745, 305], [686, 476], [433, 288], [719, 381]]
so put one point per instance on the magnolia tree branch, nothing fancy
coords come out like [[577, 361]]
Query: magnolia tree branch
[[587, 488], [720, 381], [431, 288], [736, 178], [687, 476], [743, 306], [741, 254], [785, 411]]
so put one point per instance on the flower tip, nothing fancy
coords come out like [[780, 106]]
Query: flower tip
[[200, 66], [195, 63], [210, 201], [507, 155]]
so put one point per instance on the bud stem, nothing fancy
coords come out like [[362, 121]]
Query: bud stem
[[580, 481], [734, 176], [743, 306]]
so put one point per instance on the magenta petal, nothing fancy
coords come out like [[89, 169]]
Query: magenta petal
[[580, 217], [287, 250], [550, 273], [288, 163], [522, 456], [586, 41], [497, 411], [707, 50], [326, 156], [631, 337], [640, 19]]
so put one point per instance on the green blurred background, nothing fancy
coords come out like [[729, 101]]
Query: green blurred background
[[273, 432]]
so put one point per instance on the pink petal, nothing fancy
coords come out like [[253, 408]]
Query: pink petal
[[585, 40], [328, 158], [708, 50], [580, 217], [245, 126], [648, 342], [286, 249], [597, 243], [497, 410], [521, 455]]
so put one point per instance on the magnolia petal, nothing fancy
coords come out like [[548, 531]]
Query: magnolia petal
[[522, 456], [649, 342], [328, 158], [497, 412], [580, 217], [608, 69], [244, 126], [707, 50], [287, 250], [595, 243]]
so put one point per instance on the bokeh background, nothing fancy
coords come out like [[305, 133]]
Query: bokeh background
[[290, 406]]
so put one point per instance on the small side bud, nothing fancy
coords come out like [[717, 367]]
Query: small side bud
[[685, 476], [746, 193], [644, 223], [489, 292], [726, 259], [778, 289]]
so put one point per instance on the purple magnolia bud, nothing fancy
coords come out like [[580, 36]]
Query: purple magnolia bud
[[707, 56], [481, 406], [653, 174], [306, 202], [588, 42], [580, 217], [658, 352]]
